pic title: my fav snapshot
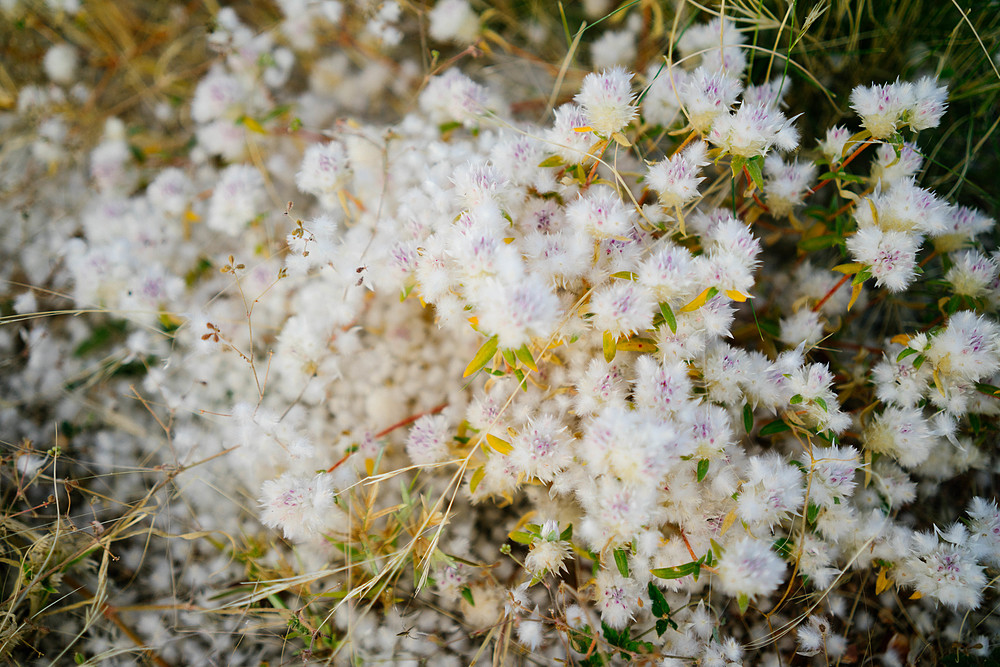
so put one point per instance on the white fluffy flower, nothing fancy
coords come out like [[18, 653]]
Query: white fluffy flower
[[607, 100], [453, 21], [749, 568], [622, 307], [753, 130], [676, 178], [892, 256], [303, 507], [881, 107]]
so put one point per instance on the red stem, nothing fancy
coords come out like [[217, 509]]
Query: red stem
[[831, 292], [857, 152]]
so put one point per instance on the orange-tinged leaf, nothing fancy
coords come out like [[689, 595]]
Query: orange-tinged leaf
[[882, 582], [737, 296], [700, 300], [585, 128], [901, 339], [474, 321]]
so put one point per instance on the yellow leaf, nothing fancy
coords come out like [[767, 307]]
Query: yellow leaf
[[508, 240], [585, 128], [698, 301], [937, 383], [882, 582], [620, 139], [849, 269], [855, 293], [474, 321], [737, 296], [609, 347], [728, 522], [191, 216], [917, 595], [498, 444], [902, 339], [370, 466], [253, 125]]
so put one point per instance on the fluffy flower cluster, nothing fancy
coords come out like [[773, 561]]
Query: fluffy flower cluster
[[482, 328]]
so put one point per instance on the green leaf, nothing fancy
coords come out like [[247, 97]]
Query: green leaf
[[660, 606], [522, 537], [482, 357], [753, 166], [567, 533], [744, 602], [508, 356], [621, 561], [519, 374], [815, 243], [678, 571], [774, 427], [918, 362], [551, 161], [702, 469], [747, 418], [905, 353], [736, 164], [812, 513], [821, 403], [467, 594], [988, 389], [625, 275], [796, 399], [668, 316]]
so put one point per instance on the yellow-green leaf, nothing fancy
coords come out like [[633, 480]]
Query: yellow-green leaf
[[552, 161], [477, 477], [524, 354], [849, 269], [637, 345], [482, 357], [609, 347]]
